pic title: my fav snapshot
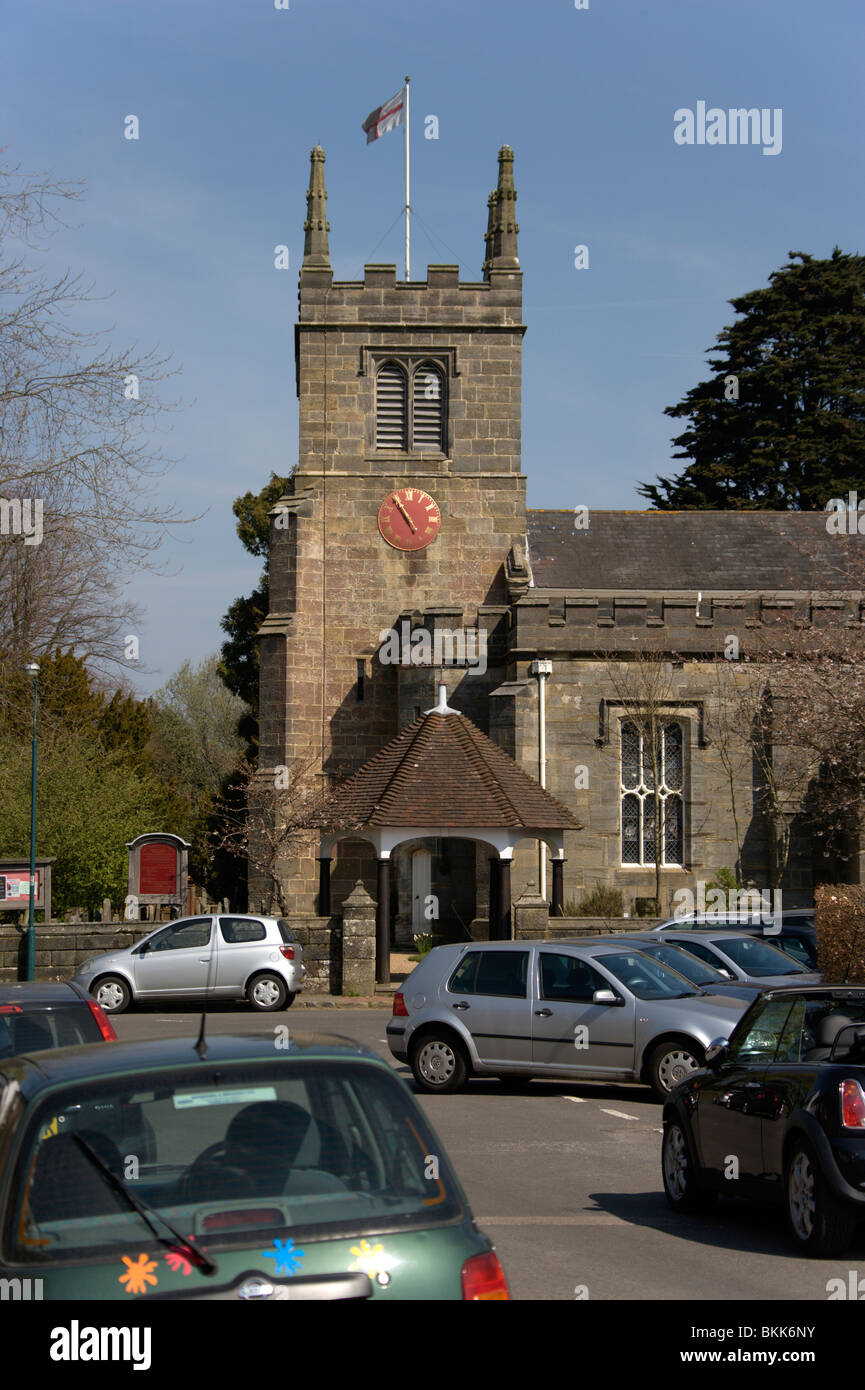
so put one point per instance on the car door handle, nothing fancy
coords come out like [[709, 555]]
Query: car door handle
[[462, 1006], [204, 960], [543, 1013]]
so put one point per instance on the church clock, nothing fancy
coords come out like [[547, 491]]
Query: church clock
[[409, 519]]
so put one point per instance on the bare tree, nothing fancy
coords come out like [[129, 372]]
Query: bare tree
[[78, 444], [271, 819]]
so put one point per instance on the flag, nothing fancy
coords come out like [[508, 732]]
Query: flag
[[385, 118]]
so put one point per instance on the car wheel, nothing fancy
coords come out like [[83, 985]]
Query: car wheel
[[679, 1171], [670, 1063], [267, 993], [438, 1064], [819, 1224], [112, 994], [290, 998]]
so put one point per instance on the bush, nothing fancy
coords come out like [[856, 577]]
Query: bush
[[840, 924], [601, 902]]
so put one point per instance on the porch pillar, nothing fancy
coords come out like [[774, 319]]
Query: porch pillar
[[504, 932], [324, 886], [382, 924], [557, 906], [495, 896]]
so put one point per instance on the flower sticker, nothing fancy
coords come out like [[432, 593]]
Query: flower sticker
[[138, 1274], [287, 1256], [371, 1259], [177, 1258]]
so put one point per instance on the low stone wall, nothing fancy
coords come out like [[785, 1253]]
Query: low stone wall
[[321, 939], [62, 947], [532, 923]]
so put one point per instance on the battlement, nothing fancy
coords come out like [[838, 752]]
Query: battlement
[[441, 301], [672, 622]]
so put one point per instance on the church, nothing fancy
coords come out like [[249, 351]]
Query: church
[[403, 558]]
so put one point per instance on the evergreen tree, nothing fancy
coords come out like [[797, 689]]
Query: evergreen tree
[[781, 423]]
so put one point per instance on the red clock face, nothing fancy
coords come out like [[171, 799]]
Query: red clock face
[[409, 519]]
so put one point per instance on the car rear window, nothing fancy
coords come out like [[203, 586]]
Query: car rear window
[[237, 930], [230, 1154], [756, 958], [285, 930], [37, 1031]]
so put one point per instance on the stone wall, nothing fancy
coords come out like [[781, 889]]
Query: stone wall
[[61, 948]]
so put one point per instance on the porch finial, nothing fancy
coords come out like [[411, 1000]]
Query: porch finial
[[442, 707]]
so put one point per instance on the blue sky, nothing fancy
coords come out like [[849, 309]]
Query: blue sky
[[179, 226]]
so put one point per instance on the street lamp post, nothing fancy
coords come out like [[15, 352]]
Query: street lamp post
[[30, 966]]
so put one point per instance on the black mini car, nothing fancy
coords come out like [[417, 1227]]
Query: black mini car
[[779, 1112]]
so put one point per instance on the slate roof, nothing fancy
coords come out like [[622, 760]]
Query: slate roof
[[757, 550], [442, 771]]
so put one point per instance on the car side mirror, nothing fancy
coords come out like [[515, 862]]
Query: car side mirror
[[606, 996], [717, 1052]]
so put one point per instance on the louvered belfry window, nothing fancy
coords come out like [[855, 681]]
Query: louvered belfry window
[[410, 411], [638, 799], [427, 406], [391, 407]]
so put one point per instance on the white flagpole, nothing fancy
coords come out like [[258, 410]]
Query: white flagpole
[[407, 202]]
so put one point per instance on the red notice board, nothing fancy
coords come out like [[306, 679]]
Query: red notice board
[[159, 866]]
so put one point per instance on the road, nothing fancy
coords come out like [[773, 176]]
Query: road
[[565, 1178]]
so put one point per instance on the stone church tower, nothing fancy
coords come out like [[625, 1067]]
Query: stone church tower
[[404, 512]]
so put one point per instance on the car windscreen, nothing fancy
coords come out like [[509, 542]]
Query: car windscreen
[[757, 958], [38, 1030], [644, 977], [697, 971], [231, 1154]]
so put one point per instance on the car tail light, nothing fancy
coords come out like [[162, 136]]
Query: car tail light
[[483, 1278], [287, 951], [852, 1105], [106, 1027], [10, 1009], [399, 1008]]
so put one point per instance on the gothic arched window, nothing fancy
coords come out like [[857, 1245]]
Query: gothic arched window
[[637, 793], [427, 407], [391, 407]]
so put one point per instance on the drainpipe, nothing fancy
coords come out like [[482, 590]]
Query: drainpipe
[[543, 670]]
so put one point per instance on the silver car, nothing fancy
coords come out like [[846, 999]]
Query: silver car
[[747, 958], [226, 956], [560, 1009]]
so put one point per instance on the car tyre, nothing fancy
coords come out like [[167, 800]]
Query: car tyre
[[439, 1064], [267, 993], [819, 1224], [679, 1170], [112, 994], [670, 1062]]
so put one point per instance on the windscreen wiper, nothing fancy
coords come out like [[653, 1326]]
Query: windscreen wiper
[[146, 1212]]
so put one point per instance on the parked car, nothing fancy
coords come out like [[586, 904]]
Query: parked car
[[310, 1173], [791, 931], [42, 1014], [779, 1113], [697, 972], [559, 1009], [743, 956], [227, 956]]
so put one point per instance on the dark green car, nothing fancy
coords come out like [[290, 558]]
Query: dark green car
[[264, 1169]]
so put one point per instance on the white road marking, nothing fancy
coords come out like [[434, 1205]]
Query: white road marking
[[575, 1100], [619, 1114]]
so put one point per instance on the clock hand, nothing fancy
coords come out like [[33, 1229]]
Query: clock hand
[[404, 512]]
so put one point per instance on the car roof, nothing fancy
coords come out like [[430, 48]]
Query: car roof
[[40, 1070], [41, 993]]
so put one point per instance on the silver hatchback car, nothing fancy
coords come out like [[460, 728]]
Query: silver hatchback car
[[226, 956], [559, 1009]]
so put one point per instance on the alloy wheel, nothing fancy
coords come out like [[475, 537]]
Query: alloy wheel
[[802, 1196], [675, 1162]]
